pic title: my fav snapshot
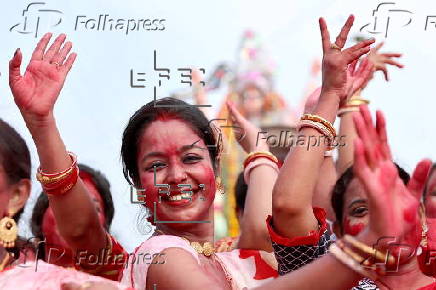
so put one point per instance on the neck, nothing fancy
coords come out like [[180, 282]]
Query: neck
[[411, 278], [194, 232]]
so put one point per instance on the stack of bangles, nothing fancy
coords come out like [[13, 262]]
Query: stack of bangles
[[361, 258], [61, 182], [254, 160], [352, 105], [321, 125]]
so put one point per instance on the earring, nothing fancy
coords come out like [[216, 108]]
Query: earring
[[8, 232], [219, 185]]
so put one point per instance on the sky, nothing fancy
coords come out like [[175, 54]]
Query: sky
[[97, 99]]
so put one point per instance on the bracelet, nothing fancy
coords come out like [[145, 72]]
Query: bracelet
[[61, 182], [258, 162], [321, 120], [46, 178], [378, 255], [348, 261], [346, 109], [253, 155], [321, 129], [352, 105]]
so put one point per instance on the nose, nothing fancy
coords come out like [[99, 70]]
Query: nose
[[176, 174]]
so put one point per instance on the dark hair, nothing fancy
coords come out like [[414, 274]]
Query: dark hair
[[432, 170], [14, 157], [166, 108], [240, 192], [338, 195], [103, 187]]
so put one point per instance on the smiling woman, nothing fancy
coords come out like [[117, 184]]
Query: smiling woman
[[168, 146]]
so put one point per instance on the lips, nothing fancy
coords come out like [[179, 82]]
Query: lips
[[179, 195]]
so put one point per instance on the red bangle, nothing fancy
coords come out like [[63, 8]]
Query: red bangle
[[61, 182]]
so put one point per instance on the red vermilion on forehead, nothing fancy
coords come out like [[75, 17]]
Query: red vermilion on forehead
[[165, 116], [352, 229]]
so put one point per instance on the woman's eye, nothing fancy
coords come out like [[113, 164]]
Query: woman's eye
[[192, 159], [359, 211], [154, 165]]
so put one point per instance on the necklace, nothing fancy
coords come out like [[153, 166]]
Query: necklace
[[207, 249]]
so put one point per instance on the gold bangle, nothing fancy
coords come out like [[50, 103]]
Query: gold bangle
[[319, 119], [378, 255], [342, 257], [47, 178]]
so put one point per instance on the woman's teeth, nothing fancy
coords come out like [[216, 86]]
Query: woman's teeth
[[180, 196]]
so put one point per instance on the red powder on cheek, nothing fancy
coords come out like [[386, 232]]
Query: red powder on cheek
[[352, 229]]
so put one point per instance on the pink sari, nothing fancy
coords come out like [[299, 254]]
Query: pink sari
[[244, 268], [40, 275]]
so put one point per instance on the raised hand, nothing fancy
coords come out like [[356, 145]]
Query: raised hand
[[248, 141], [381, 60], [358, 78], [336, 61], [393, 207], [36, 92]]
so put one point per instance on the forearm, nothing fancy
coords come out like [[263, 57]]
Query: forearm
[[74, 211], [325, 273], [293, 191], [348, 135], [324, 186], [258, 204]]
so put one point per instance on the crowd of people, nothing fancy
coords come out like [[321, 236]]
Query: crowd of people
[[307, 220]]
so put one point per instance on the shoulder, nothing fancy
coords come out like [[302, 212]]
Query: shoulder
[[157, 250]]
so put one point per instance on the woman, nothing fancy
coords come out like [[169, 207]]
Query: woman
[[177, 168], [15, 186], [51, 246], [292, 195]]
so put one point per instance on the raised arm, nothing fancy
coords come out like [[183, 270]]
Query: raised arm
[[375, 62], [293, 192], [260, 182], [35, 94], [393, 212]]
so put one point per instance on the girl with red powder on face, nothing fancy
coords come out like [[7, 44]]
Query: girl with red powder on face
[[293, 216], [170, 145], [53, 248]]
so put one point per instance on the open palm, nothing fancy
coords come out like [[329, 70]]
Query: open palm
[[35, 92]]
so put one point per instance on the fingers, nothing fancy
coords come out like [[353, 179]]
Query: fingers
[[385, 72], [357, 50], [14, 67], [325, 35], [418, 180], [60, 57], [393, 62], [234, 112], [69, 62], [367, 141], [54, 48], [382, 135], [38, 53], [352, 67], [342, 37], [391, 54], [378, 46], [361, 167]]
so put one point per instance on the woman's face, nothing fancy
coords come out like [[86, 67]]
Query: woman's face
[[179, 156], [49, 226], [355, 211], [252, 100]]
